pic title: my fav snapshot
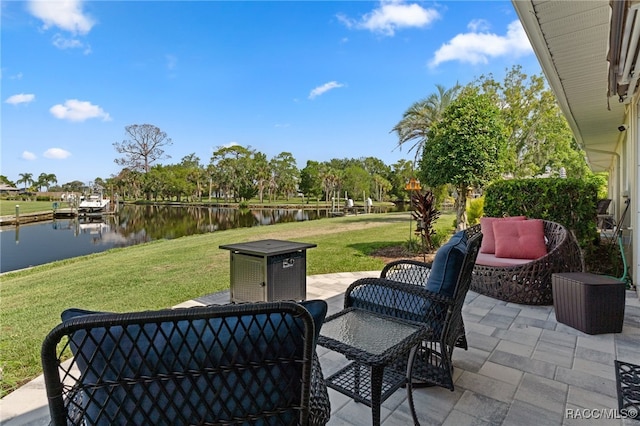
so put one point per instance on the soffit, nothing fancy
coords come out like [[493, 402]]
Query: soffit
[[571, 39]]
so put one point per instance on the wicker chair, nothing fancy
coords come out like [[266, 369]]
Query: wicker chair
[[401, 292], [530, 283], [416, 272], [251, 363]]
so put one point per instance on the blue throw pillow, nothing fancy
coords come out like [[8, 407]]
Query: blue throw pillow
[[245, 339], [447, 264], [318, 310]]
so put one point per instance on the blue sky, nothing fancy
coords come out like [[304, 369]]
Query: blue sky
[[321, 80]]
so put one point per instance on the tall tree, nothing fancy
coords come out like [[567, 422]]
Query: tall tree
[[74, 186], [380, 187], [195, 174], [330, 178], [6, 181], [310, 181], [356, 181], [285, 173], [538, 133], [402, 171], [234, 171], [26, 179], [143, 148], [466, 147], [46, 179], [419, 117], [262, 174]]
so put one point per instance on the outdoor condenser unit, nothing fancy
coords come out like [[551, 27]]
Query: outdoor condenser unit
[[268, 270]]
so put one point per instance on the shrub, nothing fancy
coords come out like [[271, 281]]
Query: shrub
[[569, 202], [475, 211], [440, 237]]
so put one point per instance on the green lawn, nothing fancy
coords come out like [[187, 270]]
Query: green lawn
[[164, 273], [8, 207]]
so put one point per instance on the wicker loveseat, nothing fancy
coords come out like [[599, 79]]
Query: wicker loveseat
[[530, 282]]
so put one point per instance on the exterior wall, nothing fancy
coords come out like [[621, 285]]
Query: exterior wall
[[633, 139]]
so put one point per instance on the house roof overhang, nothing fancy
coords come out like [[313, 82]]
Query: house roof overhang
[[572, 42]]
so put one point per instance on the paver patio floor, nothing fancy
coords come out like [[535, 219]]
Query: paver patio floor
[[522, 368]]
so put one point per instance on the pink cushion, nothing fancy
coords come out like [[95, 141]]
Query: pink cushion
[[486, 227], [520, 239]]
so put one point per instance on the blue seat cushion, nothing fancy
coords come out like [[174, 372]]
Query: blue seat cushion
[[103, 354], [389, 301], [447, 264]]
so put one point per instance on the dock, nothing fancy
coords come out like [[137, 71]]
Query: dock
[[22, 218], [26, 218]]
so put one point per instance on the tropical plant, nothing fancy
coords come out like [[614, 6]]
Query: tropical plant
[[419, 117], [6, 181], [46, 179], [425, 213], [26, 179]]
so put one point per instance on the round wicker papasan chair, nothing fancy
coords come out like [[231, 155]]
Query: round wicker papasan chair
[[529, 283]]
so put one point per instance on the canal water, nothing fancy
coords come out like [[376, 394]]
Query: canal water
[[43, 242]]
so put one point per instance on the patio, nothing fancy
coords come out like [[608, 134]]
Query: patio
[[522, 367]]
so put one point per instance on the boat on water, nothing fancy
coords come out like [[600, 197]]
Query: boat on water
[[96, 202]]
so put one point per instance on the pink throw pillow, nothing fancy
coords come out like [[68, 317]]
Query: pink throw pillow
[[522, 239], [486, 227]]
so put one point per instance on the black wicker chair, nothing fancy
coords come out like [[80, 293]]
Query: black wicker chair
[[401, 292], [416, 272], [252, 363], [530, 283]]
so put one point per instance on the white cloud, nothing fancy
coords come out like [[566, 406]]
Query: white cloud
[[75, 110], [29, 156], [22, 98], [62, 43], [56, 153], [17, 76], [324, 88], [172, 61], [478, 25], [392, 15], [66, 15], [478, 47]]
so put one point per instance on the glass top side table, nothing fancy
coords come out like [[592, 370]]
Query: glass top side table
[[372, 342]]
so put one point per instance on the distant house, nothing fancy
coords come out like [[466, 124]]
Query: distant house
[[8, 189]]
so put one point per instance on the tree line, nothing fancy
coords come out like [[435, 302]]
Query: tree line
[[238, 173], [461, 137]]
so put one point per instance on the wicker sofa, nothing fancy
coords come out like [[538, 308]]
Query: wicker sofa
[[528, 282]]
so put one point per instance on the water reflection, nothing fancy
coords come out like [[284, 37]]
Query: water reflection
[[44, 242]]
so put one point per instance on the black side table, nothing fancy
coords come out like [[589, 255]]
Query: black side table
[[372, 342]]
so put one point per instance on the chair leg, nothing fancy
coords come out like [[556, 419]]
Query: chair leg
[[412, 357]]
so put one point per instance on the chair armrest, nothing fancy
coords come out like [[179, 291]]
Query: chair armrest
[[407, 271], [398, 299]]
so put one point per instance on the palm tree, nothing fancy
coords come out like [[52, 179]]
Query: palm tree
[[46, 179], [26, 178], [418, 119]]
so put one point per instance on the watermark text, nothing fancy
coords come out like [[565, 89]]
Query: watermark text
[[601, 413]]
